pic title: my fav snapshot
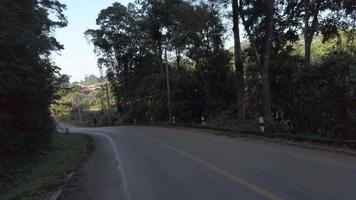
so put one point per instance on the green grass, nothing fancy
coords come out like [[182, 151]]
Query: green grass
[[33, 177]]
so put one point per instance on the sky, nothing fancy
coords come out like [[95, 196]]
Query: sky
[[78, 59]]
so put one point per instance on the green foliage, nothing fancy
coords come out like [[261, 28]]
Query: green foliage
[[28, 77], [130, 43], [315, 98], [306, 96], [344, 42], [227, 120], [33, 177]]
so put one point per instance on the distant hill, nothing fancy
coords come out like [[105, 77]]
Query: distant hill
[[90, 80]]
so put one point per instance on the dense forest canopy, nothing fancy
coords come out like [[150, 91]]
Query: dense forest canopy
[[288, 82], [131, 44]]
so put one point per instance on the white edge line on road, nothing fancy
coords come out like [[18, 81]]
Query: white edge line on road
[[116, 152]]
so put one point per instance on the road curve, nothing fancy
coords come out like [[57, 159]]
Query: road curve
[[151, 163]]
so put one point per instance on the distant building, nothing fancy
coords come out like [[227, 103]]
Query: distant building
[[87, 89]]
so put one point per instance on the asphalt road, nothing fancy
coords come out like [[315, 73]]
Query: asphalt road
[[151, 163]]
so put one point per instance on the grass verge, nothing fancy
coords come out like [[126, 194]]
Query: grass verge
[[33, 177]]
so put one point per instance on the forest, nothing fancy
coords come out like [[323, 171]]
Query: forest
[[293, 62], [176, 75]]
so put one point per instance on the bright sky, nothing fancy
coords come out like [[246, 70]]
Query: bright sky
[[78, 58]]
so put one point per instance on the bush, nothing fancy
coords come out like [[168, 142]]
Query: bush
[[225, 121], [273, 126], [32, 177]]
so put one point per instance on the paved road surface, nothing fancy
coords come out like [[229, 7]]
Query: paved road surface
[[149, 163]]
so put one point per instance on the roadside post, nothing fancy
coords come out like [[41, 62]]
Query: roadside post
[[202, 120], [135, 121], [169, 104], [108, 102], [151, 120], [261, 122], [174, 120], [76, 103]]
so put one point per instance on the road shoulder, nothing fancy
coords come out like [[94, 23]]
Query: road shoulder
[[39, 175]]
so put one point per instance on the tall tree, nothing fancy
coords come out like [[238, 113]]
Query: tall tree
[[27, 74], [259, 19], [325, 16], [312, 10], [239, 66], [134, 37], [114, 44], [267, 104]]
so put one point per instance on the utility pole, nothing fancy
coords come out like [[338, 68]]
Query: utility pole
[[80, 115], [108, 102], [168, 88], [102, 96], [76, 103]]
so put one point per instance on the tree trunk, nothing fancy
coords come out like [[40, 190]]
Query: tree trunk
[[266, 61], [169, 104], [102, 95], [160, 54], [309, 29], [108, 102], [239, 67], [124, 102], [307, 42], [307, 48], [178, 57], [249, 34]]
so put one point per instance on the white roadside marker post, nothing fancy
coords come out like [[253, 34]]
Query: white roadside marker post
[[203, 121], [174, 120], [262, 124]]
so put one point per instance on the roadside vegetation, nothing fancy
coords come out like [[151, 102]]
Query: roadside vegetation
[[29, 80], [88, 96], [165, 60], [34, 176], [34, 159], [295, 67]]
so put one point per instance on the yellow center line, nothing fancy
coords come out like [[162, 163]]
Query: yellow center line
[[241, 181]]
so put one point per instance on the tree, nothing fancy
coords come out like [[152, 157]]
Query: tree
[[266, 60], [113, 43], [28, 77], [252, 14], [272, 78], [311, 11], [239, 66], [129, 42], [325, 16]]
